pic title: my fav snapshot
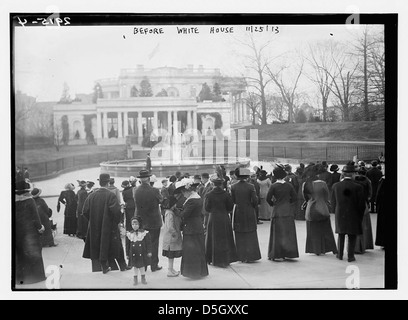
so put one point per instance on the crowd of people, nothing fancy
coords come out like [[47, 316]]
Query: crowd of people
[[205, 219]]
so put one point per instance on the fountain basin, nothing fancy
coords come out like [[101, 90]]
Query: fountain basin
[[199, 165]]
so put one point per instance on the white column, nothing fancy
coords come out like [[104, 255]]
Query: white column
[[195, 120], [120, 132], [169, 131], [175, 127], [105, 125], [189, 124], [155, 120], [98, 125], [125, 124], [139, 127]]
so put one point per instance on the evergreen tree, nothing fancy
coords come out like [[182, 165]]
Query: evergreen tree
[[205, 93], [145, 88], [301, 116], [217, 92]]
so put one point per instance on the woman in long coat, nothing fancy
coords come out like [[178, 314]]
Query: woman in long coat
[[82, 221], [282, 239], [365, 241], [219, 242], [244, 217], [28, 227], [47, 239], [265, 210], [67, 197], [193, 263], [319, 232], [299, 210]]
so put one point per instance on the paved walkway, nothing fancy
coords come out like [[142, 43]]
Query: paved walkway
[[308, 271]]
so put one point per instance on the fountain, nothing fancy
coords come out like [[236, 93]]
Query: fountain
[[181, 152]]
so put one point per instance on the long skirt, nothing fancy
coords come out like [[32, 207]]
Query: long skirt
[[193, 263], [247, 246], [282, 239], [299, 212], [320, 237], [365, 241], [265, 210], [219, 241], [82, 226], [70, 225], [29, 261]]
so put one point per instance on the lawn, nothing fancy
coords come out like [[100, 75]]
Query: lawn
[[327, 131], [50, 153]]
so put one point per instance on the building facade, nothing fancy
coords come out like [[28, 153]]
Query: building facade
[[121, 112]]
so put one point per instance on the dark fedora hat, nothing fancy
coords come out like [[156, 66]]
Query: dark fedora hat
[[144, 174], [334, 168], [350, 167], [104, 177], [215, 178], [125, 184], [36, 192]]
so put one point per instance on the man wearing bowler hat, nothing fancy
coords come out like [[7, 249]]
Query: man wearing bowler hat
[[103, 244], [147, 201], [348, 202]]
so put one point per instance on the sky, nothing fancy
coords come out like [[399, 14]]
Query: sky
[[79, 55]]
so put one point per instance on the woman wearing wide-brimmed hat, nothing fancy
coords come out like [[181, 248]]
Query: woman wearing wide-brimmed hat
[[282, 239], [67, 197], [45, 213], [244, 218], [219, 241], [193, 261], [28, 251]]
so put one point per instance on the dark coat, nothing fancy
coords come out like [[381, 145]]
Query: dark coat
[[45, 213], [29, 262], [82, 222], [138, 251], [244, 196], [67, 197], [147, 201], [102, 210], [281, 196], [374, 174], [293, 180], [191, 215], [171, 188], [326, 176], [127, 195], [335, 177], [347, 199], [219, 242]]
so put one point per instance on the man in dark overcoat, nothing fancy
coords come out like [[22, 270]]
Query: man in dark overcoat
[[348, 202], [374, 174], [102, 244], [148, 201]]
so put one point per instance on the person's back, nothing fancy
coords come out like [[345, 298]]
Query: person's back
[[147, 201]]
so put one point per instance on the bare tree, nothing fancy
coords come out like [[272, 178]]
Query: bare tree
[[376, 60], [345, 83], [287, 88], [258, 63], [276, 108], [253, 103], [22, 110], [320, 60]]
